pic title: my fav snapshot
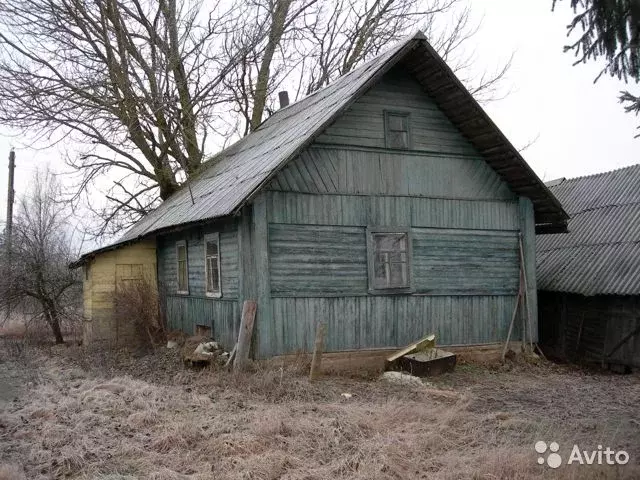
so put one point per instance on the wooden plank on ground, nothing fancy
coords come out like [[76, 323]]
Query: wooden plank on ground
[[428, 341]]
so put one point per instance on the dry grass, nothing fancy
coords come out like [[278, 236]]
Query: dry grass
[[169, 423]]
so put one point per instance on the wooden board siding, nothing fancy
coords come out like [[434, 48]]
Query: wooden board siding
[[315, 260], [363, 123], [351, 210], [195, 256], [333, 169], [222, 316], [99, 291], [387, 321], [459, 262], [184, 312]]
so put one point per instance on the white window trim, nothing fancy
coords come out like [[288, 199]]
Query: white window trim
[[182, 243], [215, 237], [371, 260]]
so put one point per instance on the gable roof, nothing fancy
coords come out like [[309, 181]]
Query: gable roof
[[230, 179], [601, 253]]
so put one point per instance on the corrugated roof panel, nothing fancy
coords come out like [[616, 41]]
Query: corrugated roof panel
[[601, 253]]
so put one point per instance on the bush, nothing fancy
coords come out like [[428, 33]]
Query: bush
[[138, 307]]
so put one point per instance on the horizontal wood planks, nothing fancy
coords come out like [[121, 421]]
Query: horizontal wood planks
[[317, 260], [464, 261], [323, 260], [388, 321]]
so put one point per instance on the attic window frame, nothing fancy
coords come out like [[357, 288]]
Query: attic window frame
[[179, 244], [372, 231], [406, 116], [212, 238]]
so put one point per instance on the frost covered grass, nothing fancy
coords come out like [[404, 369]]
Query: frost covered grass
[[133, 420]]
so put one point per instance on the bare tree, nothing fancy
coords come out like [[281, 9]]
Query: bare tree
[[135, 82], [35, 260], [139, 87], [309, 43]]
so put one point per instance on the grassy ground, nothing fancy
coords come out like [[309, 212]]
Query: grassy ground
[[107, 416]]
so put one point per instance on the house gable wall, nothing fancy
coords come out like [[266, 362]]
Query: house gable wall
[[463, 219]]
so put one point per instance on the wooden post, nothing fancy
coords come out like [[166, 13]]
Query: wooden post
[[318, 346], [525, 298], [244, 337]]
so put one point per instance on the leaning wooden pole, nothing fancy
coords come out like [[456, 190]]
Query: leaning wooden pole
[[316, 360], [526, 295], [246, 332]]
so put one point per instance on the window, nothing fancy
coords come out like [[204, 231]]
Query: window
[[212, 264], [389, 260], [183, 267], [397, 130]]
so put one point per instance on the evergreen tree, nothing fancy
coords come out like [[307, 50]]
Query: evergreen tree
[[609, 29]]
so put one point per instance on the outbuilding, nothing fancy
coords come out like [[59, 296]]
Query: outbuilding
[[387, 205], [589, 278]]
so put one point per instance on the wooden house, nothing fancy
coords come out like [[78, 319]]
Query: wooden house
[[589, 278], [387, 205]]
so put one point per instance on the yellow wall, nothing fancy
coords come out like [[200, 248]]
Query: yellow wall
[[99, 288]]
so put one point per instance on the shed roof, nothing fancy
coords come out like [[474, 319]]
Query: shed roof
[[601, 253], [231, 178]]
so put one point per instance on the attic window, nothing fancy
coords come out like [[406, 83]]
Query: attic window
[[212, 264], [396, 126], [182, 267], [389, 260]]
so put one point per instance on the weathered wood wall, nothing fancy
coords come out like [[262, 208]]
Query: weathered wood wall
[[99, 288], [184, 312], [579, 328], [463, 219]]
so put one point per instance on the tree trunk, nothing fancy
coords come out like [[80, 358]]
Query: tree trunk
[[51, 315], [278, 19]]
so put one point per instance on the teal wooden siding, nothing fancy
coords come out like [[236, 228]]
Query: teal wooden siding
[[465, 262], [222, 316], [357, 170], [463, 219], [184, 312], [325, 260], [387, 321], [308, 260], [195, 258], [363, 123], [297, 208]]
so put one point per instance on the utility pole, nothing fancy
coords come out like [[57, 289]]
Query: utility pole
[[10, 195]]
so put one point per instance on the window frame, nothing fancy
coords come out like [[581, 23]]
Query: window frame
[[371, 231], [207, 238], [182, 243], [387, 141]]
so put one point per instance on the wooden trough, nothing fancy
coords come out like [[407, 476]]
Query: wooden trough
[[422, 359], [429, 363]]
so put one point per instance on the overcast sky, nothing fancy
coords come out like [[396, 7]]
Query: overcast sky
[[580, 127]]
